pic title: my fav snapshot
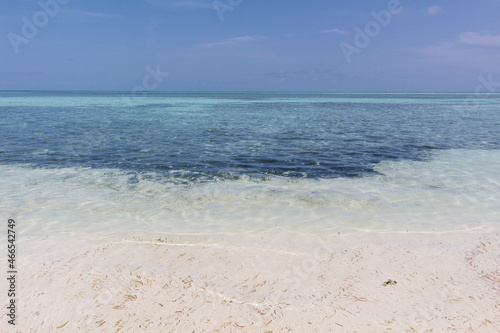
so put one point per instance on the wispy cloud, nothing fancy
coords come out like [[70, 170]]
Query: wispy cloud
[[307, 74], [473, 38], [189, 4], [434, 10], [458, 48], [440, 50], [234, 41], [82, 14], [460, 53], [30, 73], [335, 31]]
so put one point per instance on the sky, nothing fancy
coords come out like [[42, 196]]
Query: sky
[[250, 45]]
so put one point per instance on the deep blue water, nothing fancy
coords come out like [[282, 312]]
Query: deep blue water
[[226, 135]]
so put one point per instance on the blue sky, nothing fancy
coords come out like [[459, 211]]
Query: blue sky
[[249, 45]]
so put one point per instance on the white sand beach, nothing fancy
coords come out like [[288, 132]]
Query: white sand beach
[[444, 282]]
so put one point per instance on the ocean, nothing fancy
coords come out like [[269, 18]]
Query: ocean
[[235, 164]]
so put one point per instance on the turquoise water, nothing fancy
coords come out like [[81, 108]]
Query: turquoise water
[[226, 162]]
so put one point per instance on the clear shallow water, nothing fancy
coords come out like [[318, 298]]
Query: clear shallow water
[[220, 163]]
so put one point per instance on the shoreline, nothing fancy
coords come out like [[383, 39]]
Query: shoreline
[[444, 281]]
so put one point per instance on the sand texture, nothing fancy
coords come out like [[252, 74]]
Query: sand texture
[[447, 282]]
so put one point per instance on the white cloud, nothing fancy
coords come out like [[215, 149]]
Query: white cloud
[[335, 31], [434, 10], [234, 41], [472, 38]]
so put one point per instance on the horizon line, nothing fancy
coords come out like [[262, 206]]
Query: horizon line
[[250, 91]]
